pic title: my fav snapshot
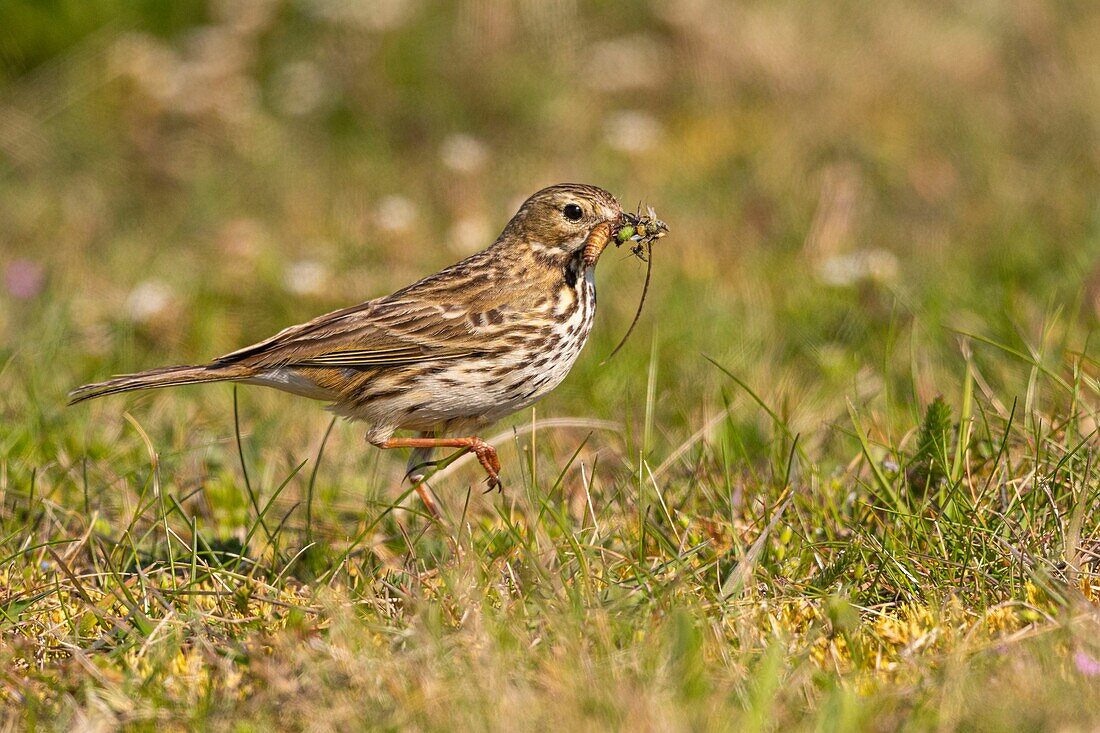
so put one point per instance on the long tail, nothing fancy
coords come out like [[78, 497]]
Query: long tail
[[163, 377]]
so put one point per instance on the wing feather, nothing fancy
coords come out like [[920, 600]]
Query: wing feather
[[365, 359], [417, 324], [374, 334]]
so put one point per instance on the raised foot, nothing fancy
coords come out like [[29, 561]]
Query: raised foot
[[487, 456]]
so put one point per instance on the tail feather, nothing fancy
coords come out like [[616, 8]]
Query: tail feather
[[155, 378]]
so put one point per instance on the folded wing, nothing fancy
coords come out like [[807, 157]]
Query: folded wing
[[371, 335]]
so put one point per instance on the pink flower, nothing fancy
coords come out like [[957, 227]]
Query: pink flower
[[24, 279], [1086, 665]]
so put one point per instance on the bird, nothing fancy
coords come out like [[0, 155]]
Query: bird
[[448, 355]]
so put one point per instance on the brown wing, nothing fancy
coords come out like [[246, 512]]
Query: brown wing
[[424, 322], [372, 334]]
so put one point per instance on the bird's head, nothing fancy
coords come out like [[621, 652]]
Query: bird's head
[[565, 221]]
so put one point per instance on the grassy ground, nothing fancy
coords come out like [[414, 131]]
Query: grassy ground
[[843, 477]]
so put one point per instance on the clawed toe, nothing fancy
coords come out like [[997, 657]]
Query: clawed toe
[[418, 473], [487, 456], [494, 482]]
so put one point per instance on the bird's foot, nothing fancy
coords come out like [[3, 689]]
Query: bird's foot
[[487, 457]]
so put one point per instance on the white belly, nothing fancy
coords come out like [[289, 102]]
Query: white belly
[[503, 385]]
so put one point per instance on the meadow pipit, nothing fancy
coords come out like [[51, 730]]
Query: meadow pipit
[[451, 353]]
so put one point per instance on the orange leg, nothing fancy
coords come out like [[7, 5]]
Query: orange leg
[[429, 501], [486, 454]]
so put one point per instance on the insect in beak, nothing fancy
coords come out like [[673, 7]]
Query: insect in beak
[[597, 241], [642, 230]]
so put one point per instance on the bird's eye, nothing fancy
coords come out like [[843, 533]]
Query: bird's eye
[[573, 212]]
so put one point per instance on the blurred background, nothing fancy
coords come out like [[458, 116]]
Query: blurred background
[[855, 191], [871, 204]]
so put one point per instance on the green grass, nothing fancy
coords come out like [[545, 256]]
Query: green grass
[[843, 476]]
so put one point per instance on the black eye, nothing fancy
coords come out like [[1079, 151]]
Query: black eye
[[573, 212]]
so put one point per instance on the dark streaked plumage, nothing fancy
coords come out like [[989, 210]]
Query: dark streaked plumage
[[449, 354]]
